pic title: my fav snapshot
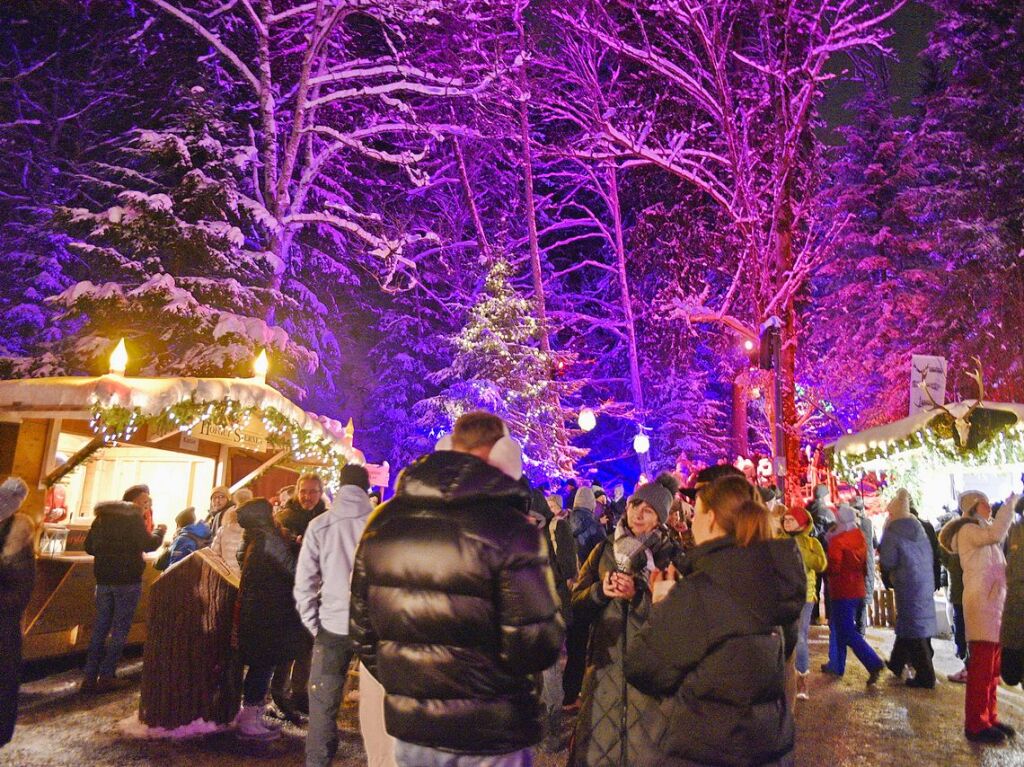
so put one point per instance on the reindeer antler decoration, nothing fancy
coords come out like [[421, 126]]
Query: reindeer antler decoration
[[963, 423]]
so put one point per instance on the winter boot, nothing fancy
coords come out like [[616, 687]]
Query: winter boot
[[249, 724], [801, 685]]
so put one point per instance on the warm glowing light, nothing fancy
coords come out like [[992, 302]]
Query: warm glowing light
[[641, 443], [587, 419], [748, 345], [119, 359], [261, 365]]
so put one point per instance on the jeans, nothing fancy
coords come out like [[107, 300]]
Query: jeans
[[960, 632], [803, 654], [844, 628], [256, 684], [332, 654], [115, 609], [577, 636], [288, 688], [411, 755]]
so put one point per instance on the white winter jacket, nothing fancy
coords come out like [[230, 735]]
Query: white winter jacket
[[980, 547], [324, 571]]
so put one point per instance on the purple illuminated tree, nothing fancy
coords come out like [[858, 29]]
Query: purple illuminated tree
[[739, 87]]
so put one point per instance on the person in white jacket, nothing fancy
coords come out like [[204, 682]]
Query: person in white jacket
[[977, 538], [322, 593]]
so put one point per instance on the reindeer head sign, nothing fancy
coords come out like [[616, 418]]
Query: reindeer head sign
[[961, 423]]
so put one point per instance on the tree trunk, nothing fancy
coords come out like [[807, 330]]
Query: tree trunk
[[540, 306], [740, 396], [790, 448]]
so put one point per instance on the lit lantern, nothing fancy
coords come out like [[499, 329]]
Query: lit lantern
[[748, 345], [260, 366], [587, 419], [119, 359], [641, 443]]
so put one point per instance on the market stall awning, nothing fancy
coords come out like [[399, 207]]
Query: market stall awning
[[868, 439]]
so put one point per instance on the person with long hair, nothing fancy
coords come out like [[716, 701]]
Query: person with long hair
[[715, 648]]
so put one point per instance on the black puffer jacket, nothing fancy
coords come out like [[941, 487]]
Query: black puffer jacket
[[117, 540], [269, 629], [714, 649], [453, 607]]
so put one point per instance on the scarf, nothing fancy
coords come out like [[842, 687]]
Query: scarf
[[632, 552]]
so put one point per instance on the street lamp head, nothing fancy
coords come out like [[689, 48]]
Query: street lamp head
[[641, 443]]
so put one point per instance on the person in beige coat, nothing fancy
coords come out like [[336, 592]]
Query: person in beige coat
[[977, 538], [228, 541]]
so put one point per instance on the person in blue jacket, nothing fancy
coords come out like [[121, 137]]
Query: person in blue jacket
[[191, 536], [905, 555]]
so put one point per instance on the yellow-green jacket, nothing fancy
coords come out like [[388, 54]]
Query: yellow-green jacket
[[814, 558]]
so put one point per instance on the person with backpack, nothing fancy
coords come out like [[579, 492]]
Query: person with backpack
[[191, 536]]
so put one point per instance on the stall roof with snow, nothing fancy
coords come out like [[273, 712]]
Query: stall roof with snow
[[941, 451]]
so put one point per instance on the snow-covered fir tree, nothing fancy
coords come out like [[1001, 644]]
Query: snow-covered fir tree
[[498, 366], [173, 249]]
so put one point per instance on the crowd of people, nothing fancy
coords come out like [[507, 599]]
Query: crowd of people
[[671, 624]]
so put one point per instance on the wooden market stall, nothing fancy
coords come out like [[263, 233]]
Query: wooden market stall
[[81, 440]]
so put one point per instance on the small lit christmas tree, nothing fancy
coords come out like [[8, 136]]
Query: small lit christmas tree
[[498, 366]]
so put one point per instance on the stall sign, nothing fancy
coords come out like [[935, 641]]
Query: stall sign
[[250, 436], [930, 372]]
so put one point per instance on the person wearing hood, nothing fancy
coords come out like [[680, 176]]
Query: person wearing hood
[[17, 577], [977, 538], [714, 650], [117, 540], [616, 722], [847, 564], [906, 559], [1011, 633], [453, 606], [269, 631], [190, 536], [797, 524], [321, 593]]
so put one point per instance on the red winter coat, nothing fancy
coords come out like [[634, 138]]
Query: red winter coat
[[847, 565]]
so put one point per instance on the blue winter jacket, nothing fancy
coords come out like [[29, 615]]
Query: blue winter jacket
[[188, 539], [905, 555]]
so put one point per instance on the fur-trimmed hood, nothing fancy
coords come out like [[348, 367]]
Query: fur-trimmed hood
[[948, 532]]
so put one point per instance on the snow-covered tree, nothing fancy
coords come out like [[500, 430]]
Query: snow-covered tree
[[498, 366], [173, 254]]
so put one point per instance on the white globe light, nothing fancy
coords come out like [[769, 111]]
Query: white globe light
[[587, 419], [641, 443]]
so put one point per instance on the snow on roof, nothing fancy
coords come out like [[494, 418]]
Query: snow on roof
[[903, 428], [154, 395]]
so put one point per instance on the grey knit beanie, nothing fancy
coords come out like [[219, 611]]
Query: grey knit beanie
[[656, 495], [12, 495]]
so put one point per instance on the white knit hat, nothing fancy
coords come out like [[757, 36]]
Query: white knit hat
[[969, 499], [12, 495]]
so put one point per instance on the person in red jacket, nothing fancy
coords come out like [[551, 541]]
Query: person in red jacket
[[847, 565]]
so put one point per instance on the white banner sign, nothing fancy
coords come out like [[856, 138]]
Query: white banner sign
[[926, 373]]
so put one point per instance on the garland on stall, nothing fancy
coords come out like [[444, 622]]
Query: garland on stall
[[933, 447], [118, 423]]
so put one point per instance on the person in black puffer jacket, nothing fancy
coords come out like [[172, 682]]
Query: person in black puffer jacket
[[453, 605], [715, 649], [117, 541], [269, 629]]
